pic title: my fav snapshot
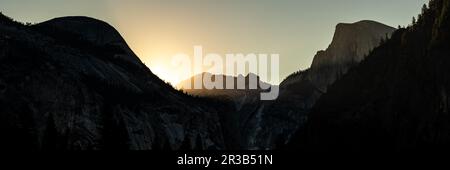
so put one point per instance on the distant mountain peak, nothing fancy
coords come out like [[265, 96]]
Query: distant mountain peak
[[190, 82], [252, 75]]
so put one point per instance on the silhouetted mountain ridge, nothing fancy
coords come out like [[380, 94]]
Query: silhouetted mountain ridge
[[278, 120], [73, 84], [395, 100]]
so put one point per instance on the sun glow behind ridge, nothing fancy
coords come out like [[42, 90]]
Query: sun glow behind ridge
[[165, 75], [156, 30]]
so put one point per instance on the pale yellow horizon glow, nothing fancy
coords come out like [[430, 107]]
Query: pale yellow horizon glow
[[156, 31]]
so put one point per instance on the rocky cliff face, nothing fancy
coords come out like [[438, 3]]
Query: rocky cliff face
[[351, 44], [278, 120], [73, 83], [395, 100]]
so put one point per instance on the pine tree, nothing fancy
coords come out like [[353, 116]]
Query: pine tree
[[424, 8]]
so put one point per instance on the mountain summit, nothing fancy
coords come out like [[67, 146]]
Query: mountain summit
[[89, 30], [72, 83], [278, 120], [397, 99], [351, 43]]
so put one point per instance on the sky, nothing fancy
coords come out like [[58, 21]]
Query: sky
[[158, 29]]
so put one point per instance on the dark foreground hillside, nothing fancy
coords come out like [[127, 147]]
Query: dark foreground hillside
[[72, 83], [396, 99]]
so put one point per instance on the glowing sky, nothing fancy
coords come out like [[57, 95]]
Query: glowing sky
[[158, 29]]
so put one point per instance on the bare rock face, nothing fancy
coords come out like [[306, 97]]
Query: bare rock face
[[73, 84], [278, 120], [395, 100], [351, 44]]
